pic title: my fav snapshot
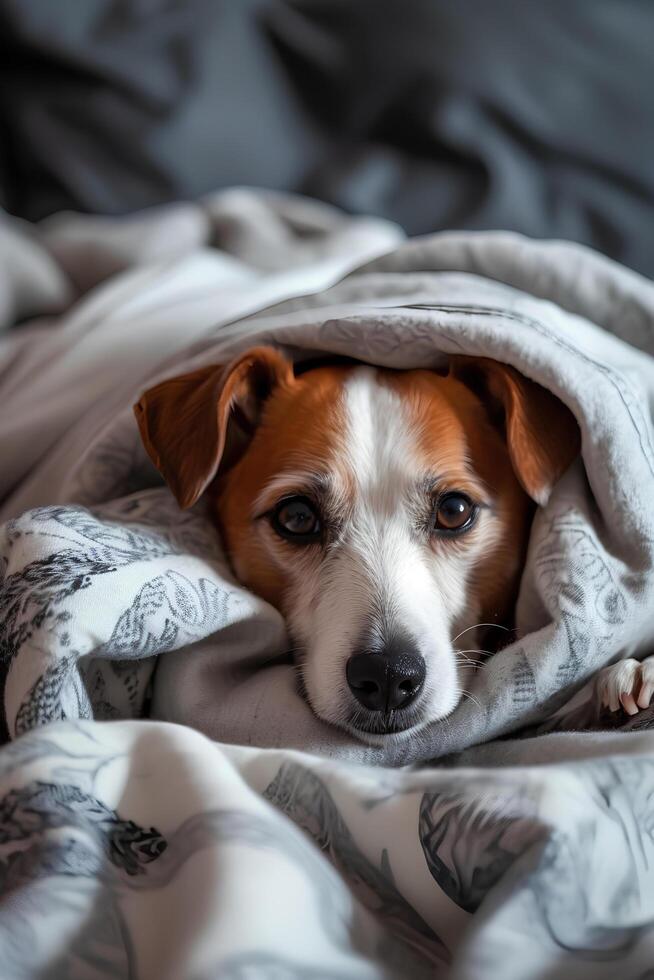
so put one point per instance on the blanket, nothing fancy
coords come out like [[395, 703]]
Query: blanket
[[527, 855], [142, 849]]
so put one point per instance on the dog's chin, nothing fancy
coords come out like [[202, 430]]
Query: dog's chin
[[380, 728], [373, 727], [383, 723], [376, 728]]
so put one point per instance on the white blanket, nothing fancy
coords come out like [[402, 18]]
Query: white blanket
[[115, 604], [144, 850]]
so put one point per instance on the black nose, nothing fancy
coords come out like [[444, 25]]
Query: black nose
[[381, 681]]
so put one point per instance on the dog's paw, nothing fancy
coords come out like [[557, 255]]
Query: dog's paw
[[627, 685]]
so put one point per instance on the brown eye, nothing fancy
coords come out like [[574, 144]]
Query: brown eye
[[296, 520], [455, 513]]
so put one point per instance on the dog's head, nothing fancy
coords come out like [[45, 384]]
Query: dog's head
[[385, 513]]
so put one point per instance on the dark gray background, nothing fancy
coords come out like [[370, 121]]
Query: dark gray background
[[537, 117]]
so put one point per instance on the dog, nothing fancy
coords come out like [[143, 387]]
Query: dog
[[385, 513]]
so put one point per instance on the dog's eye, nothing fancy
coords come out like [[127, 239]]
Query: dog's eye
[[455, 512], [296, 519]]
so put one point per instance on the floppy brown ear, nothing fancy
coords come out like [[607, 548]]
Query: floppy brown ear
[[193, 423], [542, 435]]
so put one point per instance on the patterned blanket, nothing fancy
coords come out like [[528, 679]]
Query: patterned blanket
[[143, 849]]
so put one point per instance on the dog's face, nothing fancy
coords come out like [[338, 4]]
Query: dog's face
[[385, 513]]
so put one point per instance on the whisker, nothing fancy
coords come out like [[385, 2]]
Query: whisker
[[466, 694], [477, 625], [463, 659], [489, 653], [468, 662]]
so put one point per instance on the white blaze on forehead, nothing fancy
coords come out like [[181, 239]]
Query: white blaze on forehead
[[382, 459], [382, 456], [381, 581], [379, 445], [411, 589]]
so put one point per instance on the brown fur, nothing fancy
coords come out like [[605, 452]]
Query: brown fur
[[230, 430]]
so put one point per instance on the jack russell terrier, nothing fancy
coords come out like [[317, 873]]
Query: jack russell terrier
[[385, 513]]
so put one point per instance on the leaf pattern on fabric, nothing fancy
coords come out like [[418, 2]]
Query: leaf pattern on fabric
[[302, 796], [42, 626], [471, 840], [32, 810]]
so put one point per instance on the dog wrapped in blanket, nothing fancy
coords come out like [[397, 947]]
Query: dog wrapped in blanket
[[386, 514]]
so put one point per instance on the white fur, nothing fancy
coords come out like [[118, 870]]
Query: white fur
[[380, 573], [628, 684]]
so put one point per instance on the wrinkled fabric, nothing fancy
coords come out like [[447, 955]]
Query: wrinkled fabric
[[103, 574], [140, 848], [143, 849]]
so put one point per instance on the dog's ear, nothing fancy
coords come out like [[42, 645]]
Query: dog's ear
[[196, 423], [542, 435]]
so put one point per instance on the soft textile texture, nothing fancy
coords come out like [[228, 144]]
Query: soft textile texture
[[132, 577], [141, 848]]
